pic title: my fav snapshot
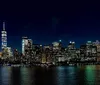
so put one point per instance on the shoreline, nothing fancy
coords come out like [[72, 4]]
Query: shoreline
[[45, 65]]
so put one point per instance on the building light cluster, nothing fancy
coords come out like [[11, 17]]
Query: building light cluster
[[52, 53]]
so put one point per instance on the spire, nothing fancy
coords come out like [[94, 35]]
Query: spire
[[3, 25]]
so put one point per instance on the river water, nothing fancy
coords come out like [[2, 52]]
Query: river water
[[62, 75]]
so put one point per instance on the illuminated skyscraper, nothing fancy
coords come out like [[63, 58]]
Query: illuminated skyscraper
[[55, 46], [83, 50], [89, 45], [97, 44], [71, 45], [9, 51], [26, 45], [4, 37]]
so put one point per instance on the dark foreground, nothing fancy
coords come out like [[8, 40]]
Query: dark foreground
[[61, 75]]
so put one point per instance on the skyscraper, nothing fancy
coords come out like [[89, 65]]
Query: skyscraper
[[89, 45], [26, 45], [4, 37], [71, 45], [83, 51]]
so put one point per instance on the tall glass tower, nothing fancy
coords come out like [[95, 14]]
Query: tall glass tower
[[26, 44], [4, 37]]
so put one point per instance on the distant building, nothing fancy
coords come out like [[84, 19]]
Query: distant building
[[60, 44], [9, 52], [71, 50], [6, 52], [36, 46], [44, 60], [26, 45], [97, 44], [55, 45], [71, 45], [15, 53], [0, 54], [78, 53], [46, 47], [4, 37], [83, 51], [89, 45]]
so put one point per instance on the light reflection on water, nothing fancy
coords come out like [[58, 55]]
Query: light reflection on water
[[65, 75], [62, 75], [5, 75], [25, 76], [90, 74]]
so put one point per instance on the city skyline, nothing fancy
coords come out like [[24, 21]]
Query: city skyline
[[46, 23], [64, 42], [52, 42]]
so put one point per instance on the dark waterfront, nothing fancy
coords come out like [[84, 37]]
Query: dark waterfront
[[62, 75]]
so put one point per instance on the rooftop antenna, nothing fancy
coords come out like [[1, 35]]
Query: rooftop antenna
[[3, 25]]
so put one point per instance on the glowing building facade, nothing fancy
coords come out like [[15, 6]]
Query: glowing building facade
[[26, 45], [97, 44], [55, 45], [71, 45], [10, 54], [89, 48], [83, 50], [4, 37]]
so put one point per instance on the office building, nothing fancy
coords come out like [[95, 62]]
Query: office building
[[44, 60], [26, 45], [89, 45], [9, 52], [55, 45], [4, 37], [83, 51], [78, 53], [94, 51], [71, 45], [97, 44]]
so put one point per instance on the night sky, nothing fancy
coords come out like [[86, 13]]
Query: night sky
[[46, 22]]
